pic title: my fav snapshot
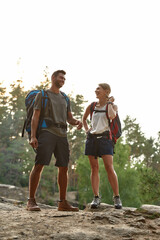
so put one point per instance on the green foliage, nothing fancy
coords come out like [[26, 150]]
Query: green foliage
[[149, 185], [3, 103], [84, 184], [76, 137], [45, 84], [146, 156], [134, 137], [12, 162]]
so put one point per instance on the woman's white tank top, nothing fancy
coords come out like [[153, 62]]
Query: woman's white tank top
[[99, 121]]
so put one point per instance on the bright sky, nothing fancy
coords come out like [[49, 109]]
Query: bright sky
[[94, 41]]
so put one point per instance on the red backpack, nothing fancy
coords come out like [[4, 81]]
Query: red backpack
[[115, 124]]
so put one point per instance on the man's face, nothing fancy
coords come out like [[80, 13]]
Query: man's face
[[59, 80]]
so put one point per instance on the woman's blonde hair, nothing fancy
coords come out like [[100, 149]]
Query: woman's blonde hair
[[106, 87]]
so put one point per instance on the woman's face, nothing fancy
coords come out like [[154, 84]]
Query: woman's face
[[100, 92]]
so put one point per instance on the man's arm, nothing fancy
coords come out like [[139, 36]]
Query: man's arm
[[84, 119], [34, 126], [71, 120]]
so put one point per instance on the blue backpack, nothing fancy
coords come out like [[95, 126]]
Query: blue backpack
[[29, 103]]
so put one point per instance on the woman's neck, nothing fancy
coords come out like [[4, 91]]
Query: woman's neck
[[102, 102]]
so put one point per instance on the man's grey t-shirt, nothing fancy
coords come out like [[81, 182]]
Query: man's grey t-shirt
[[59, 111]]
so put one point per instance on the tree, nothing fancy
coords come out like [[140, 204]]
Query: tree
[[12, 147], [149, 185], [76, 139], [3, 103], [17, 108], [45, 83], [134, 137], [145, 155]]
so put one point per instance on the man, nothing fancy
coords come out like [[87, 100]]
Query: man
[[52, 139]]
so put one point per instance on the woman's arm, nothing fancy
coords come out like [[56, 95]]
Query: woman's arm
[[112, 110]]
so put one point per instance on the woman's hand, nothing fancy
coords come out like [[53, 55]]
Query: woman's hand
[[88, 130], [111, 99]]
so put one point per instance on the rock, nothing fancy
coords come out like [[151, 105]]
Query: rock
[[102, 207], [151, 208], [10, 191], [7, 207], [105, 223]]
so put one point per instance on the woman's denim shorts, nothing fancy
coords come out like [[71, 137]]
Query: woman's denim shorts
[[98, 145]]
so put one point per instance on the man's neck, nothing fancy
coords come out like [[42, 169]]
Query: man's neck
[[54, 89]]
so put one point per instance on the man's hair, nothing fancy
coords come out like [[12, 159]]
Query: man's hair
[[105, 86], [55, 74]]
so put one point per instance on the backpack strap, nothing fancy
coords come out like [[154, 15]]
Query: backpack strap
[[109, 121], [65, 96], [44, 104], [92, 107], [24, 126], [107, 114]]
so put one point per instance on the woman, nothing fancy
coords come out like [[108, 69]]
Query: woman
[[99, 142]]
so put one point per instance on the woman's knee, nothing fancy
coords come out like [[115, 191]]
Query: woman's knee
[[95, 168], [38, 168], [110, 169], [63, 170]]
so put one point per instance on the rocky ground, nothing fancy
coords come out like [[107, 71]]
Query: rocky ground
[[106, 223]]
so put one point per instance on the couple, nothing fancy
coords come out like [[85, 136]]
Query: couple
[[54, 140]]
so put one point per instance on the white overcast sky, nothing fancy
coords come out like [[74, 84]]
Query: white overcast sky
[[117, 42]]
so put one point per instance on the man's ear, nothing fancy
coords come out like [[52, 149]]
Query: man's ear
[[53, 77]]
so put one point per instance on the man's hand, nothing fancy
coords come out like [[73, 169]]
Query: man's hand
[[34, 142], [79, 124]]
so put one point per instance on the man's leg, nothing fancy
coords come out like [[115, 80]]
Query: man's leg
[[63, 205], [34, 179], [62, 182], [33, 185]]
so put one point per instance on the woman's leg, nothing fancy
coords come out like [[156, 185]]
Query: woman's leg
[[112, 176], [94, 174]]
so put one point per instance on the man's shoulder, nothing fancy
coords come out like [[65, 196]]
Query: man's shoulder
[[63, 93]]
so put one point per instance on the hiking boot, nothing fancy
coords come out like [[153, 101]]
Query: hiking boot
[[96, 202], [117, 202], [32, 205], [63, 205]]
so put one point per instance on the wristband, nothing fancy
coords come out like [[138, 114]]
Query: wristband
[[110, 103]]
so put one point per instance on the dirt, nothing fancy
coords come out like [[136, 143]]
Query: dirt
[[105, 223]]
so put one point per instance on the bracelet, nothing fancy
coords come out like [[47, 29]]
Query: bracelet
[[110, 103]]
